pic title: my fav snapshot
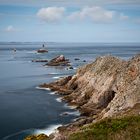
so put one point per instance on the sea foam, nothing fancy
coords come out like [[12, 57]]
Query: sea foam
[[43, 88], [48, 130]]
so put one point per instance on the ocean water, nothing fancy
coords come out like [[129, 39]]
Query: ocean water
[[26, 109]]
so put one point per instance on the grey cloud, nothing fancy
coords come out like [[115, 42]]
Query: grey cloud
[[51, 14]]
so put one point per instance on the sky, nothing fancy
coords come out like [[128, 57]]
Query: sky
[[70, 20]]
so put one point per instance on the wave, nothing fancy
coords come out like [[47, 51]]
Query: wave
[[43, 88], [59, 99], [74, 113], [48, 89], [53, 73], [70, 106], [48, 130], [56, 77]]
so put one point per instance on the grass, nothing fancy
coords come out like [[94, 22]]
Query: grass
[[127, 128]]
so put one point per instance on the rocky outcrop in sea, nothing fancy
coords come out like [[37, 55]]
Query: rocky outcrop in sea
[[59, 61]]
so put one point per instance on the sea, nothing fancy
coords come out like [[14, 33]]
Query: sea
[[26, 109]]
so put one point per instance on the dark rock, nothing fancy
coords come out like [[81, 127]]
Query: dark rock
[[84, 61], [64, 114], [40, 60], [70, 68], [76, 59]]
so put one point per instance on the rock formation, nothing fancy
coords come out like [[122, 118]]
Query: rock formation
[[59, 61], [105, 88]]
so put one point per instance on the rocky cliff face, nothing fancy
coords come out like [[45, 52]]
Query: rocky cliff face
[[104, 88], [109, 85]]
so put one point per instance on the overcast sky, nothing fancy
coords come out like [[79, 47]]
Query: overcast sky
[[70, 20]]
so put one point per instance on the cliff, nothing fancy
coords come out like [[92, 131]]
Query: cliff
[[106, 88]]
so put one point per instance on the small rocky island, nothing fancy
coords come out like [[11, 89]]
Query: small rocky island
[[59, 61], [107, 93]]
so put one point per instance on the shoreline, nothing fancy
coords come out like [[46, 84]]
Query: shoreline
[[55, 127]]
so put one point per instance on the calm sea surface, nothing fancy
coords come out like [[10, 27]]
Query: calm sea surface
[[24, 109]]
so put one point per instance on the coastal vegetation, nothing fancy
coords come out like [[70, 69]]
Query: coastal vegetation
[[125, 128]]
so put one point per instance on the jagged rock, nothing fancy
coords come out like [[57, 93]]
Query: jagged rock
[[59, 61], [42, 51], [107, 85], [40, 60], [59, 86]]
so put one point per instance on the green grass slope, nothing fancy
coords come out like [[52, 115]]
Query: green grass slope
[[126, 128]]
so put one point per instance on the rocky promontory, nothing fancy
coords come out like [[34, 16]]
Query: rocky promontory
[[107, 88]]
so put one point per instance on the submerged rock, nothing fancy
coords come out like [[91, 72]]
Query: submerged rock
[[70, 68], [59, 61]]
